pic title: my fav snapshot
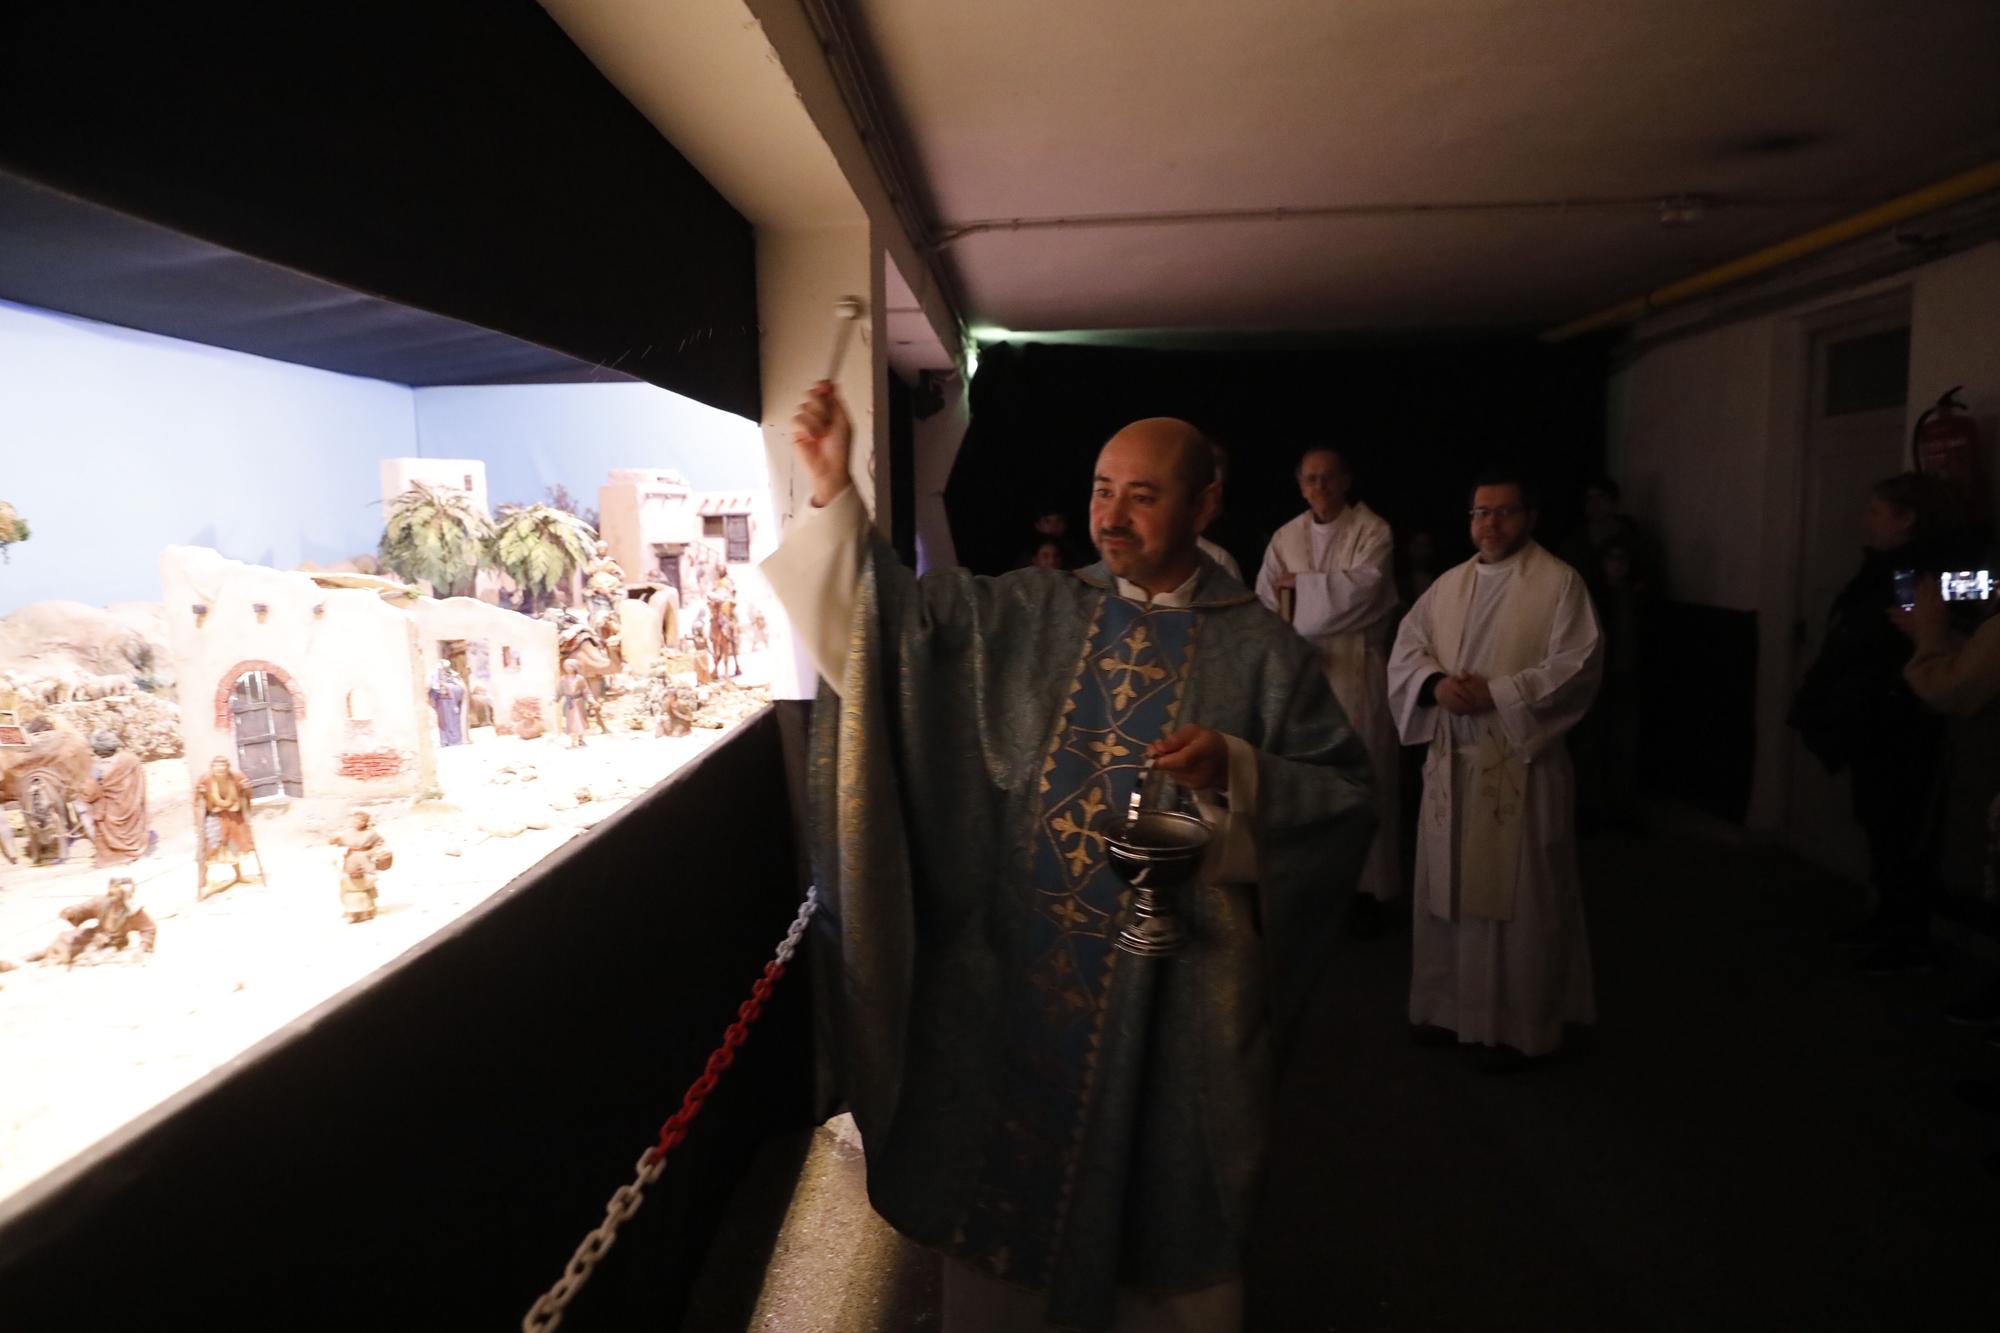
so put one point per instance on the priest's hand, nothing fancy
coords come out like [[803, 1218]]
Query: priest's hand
[[1463, 696], [1472, 689], [1286, 581], [1195, 757], [1450, 696], [822, 435]]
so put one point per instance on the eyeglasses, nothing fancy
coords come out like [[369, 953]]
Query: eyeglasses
[[1502, 512]]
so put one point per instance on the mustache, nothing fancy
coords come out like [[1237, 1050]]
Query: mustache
[[1122, 534]]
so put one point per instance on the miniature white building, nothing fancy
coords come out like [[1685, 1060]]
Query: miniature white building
[[511, 656], [665, 533], [317, 684], [444, 474], [661, 531]]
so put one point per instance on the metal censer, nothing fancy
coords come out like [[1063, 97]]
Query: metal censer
[[1153, 850]]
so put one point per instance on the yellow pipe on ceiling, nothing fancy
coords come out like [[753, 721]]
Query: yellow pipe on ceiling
[[1965, 185]]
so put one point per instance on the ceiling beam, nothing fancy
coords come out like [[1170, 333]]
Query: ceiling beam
[[823, 53]]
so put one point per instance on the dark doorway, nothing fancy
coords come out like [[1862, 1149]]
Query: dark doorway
[[667, 560], [267, 735]]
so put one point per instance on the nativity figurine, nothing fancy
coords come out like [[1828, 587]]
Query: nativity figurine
[[447, 694], [114, 795], [108, 921], [222, 824], [364, 855]]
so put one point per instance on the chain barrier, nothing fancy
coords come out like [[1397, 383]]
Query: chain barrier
[[547, 1312]]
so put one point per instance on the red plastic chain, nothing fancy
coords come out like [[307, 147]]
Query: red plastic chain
[[676, 1126], [547, 1312]]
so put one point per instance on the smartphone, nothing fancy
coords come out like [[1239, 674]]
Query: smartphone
[[1906, 589], [1965, 585]]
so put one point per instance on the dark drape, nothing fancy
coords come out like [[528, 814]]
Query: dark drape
[[458, 156], [1414, 420]]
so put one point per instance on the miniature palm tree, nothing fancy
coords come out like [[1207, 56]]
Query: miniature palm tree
[[436, 534], [13, 528], [537, 546]]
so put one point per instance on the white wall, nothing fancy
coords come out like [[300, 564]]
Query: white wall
[[115, 444], [1706, 433], [801, 275], [937, 440], [1694, 416], [1955, 339]]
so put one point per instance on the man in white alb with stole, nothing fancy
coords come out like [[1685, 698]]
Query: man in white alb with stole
[[1336, 563], [1492, 666]]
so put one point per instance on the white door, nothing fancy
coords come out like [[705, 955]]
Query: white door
[[1854, 438]]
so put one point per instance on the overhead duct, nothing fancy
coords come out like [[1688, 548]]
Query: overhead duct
[[1965, 185]]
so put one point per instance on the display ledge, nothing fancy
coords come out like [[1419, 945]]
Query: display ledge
[[425, 1149]]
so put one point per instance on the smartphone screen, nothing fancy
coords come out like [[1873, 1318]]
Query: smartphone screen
[[1966, 585], [1906, 589]]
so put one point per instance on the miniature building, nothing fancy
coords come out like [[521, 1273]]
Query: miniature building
[[661, 531], [316, 685], [445, 474], [512, 656]]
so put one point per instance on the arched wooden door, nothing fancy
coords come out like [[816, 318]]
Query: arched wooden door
[[267, 734]]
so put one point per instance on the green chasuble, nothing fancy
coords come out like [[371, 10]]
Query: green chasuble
[[1061, 1115]]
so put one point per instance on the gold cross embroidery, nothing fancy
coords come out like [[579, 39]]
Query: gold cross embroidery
[[1067, 912], [1108, 750], [1122, 697], [1066, 826]]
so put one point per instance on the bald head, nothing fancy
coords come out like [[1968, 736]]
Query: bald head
[[1177, 445], [1154, 492]]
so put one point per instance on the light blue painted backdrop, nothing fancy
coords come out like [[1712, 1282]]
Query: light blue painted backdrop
[[115, 443]]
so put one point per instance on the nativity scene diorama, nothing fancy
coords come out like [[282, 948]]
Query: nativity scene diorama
[[199, 795]]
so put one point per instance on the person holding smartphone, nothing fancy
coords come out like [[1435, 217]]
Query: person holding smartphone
[[1958, 675], [1854, 710]]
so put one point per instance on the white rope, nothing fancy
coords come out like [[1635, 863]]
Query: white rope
[[547, 1312]]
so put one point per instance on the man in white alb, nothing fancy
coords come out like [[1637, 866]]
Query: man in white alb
[[1330, 572], [1492, 666]]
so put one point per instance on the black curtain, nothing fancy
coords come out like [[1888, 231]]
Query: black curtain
[[458, 156], [1414, 422]]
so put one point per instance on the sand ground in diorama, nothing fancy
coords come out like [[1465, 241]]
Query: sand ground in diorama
[[84, 1050]]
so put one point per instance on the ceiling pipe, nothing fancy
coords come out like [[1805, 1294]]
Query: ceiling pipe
[[1965, 185], [1087, 221]]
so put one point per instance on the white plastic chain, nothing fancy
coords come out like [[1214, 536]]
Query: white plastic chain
[[547, 1312]]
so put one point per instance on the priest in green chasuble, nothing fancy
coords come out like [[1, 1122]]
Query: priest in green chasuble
[[1076, 1128], [1491, 668]]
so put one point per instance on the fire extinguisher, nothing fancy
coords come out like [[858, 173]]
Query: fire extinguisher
[[1945, 445]]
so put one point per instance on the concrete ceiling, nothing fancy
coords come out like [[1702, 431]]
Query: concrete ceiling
[[1497, 158]]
